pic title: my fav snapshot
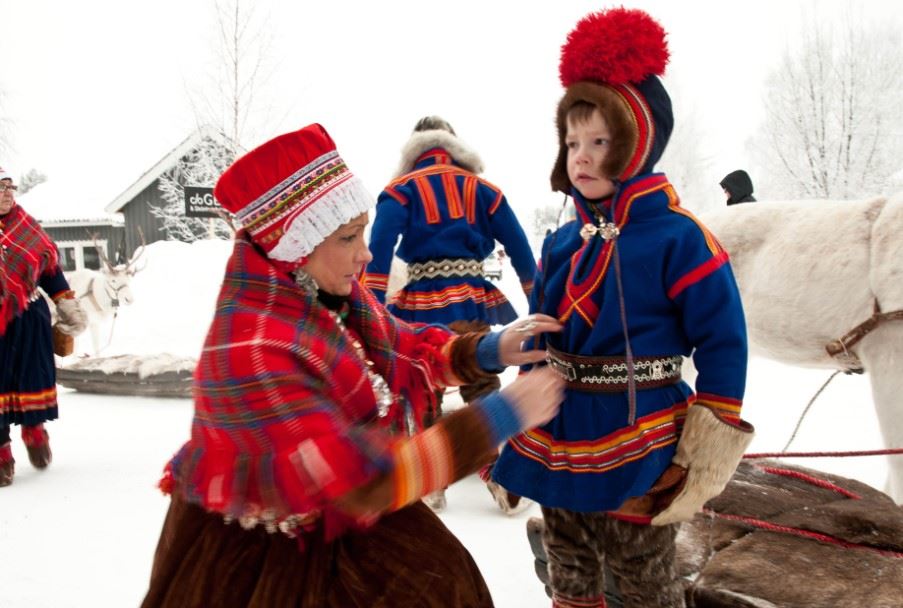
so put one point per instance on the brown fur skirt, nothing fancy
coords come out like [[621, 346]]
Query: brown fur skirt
[[409, 558]]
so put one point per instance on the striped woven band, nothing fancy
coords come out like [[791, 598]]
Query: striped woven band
[[444, 268], [645, 128], [296, 215]]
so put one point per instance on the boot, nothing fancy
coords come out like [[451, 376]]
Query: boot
[[38, 444], [7, 464], [436, 500], [510, 504]]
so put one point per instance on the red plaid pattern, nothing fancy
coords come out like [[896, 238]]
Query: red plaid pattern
[[285, 416], [26, 252]]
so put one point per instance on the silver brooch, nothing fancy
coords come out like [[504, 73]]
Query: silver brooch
[[607, 230]]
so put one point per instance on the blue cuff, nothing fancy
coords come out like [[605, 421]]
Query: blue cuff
[[500, 417], [488, 353]]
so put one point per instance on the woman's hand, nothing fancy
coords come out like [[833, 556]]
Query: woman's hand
[[535, 396], [513, 337]]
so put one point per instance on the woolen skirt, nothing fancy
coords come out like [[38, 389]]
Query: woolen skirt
[[27, 369], [409, 558]]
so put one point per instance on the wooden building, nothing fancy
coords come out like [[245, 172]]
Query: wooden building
[[76, 240], [136, 202]]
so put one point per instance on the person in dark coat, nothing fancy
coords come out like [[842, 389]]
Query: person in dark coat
[[29, 261], [738, 187]]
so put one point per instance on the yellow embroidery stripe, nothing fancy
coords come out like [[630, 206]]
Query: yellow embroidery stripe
[[711, 242], [430, 207], [24, 402], [452, 196], [612, 441], [423, 463], [445, 297], [425, 172], [470, 198]]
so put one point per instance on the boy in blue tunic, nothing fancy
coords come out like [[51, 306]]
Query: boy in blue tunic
[[638, 284], [448, 219]]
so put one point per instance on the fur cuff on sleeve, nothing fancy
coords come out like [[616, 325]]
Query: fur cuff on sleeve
[[710, 449], [463, 358]]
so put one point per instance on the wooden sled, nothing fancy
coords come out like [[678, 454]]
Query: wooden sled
[[155, 376], [783, 536]]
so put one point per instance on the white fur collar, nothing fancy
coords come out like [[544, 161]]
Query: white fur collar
[[421, 141]]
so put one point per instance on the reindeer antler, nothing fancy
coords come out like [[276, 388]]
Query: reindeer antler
[[130, 265], [100, 251]]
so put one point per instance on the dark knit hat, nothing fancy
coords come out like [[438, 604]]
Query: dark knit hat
[[292, 192], [739, 185], [612, 60]]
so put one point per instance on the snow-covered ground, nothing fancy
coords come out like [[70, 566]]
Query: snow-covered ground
[[83, 532]]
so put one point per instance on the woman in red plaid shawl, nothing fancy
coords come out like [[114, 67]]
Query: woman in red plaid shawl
[[28, 261], [301, 483]]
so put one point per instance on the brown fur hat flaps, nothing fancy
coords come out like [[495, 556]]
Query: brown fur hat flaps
[[621, 124]]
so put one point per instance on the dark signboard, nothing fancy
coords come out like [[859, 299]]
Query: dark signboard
[[199, 202]]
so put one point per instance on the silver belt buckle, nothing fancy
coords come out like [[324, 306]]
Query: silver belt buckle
[[564, 367], [658, 369]]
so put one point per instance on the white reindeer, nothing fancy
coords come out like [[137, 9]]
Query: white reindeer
[[102, 292], [822, 286]]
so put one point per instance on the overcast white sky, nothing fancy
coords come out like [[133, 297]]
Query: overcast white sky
[[95, 91]]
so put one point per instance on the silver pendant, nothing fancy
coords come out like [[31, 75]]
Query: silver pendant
[[607, 230], [306, 282]]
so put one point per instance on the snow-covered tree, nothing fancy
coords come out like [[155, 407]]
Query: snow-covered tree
[[32, 178], [545, 218], [200, 167], [685, 162], [228, 100], [230, 96], [5, 128], [833, 121]]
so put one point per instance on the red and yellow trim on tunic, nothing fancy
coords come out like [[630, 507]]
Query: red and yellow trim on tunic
[[428, 300], [28, 402], [711, 241], [423, 463], [728, 409], [578, 295], [651, 432], [428, 198], [452, 197], [395, 194], [440, 156], [720, 255], [698, 274], [470, 198]]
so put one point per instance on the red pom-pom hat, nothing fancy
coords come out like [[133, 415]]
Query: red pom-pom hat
[[612, 59]]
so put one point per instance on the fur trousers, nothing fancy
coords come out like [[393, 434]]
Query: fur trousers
[[641, 559]]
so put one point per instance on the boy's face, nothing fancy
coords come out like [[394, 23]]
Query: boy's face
[[587, 142]]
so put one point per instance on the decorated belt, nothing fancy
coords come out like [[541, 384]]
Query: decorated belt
[[609, 374], [444, 268]]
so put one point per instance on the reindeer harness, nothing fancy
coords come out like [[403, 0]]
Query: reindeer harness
[[840, 348], [113, 294]]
